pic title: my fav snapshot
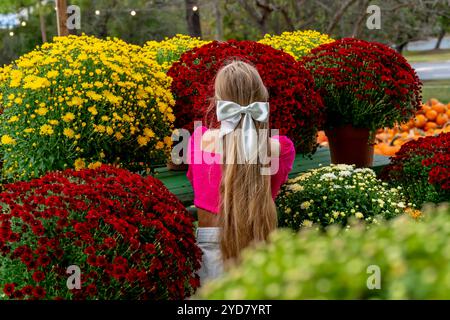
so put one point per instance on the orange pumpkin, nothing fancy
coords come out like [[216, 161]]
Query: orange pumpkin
[[434, 101], [439, 108], [448, 112], [387, 149], [442, 119], [431, 114], [321, 137], [420, 120], [425, 108], [404, 127], [430, 126]]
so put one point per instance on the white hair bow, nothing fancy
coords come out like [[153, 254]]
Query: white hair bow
[[230, 114]]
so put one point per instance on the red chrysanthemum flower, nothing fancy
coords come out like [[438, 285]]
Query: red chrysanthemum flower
[[39, 292], [38, 276], [27, 290], [91, 290], [8, 289]]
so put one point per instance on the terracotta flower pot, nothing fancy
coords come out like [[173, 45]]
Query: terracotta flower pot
[[349, 145]]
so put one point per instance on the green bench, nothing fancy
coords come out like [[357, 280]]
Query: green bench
[[178, 184]]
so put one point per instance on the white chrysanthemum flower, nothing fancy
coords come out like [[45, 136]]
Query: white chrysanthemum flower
[[344, 167], [305, 205], [345, 173], [307, 223], [328, 176], [295, 187]]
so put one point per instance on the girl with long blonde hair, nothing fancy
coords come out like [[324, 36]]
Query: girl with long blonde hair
[[235, 193]]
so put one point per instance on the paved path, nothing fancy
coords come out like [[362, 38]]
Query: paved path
[[428, 44], [433, 70]]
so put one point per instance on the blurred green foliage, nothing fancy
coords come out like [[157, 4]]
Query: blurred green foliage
[[412, 257]]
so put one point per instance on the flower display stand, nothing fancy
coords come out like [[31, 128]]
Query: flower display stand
[[177, 182]]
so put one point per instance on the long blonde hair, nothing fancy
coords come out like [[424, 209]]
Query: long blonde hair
[[247, 211]]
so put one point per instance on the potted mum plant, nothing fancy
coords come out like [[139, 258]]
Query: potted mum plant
[[365, 86], [129, 237], [336, 194], [80, 101], [422, 168]]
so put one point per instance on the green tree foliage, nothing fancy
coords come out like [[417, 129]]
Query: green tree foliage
[[402, 21]]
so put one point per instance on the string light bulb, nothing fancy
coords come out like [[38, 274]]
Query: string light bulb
[[133, 13], [11, 34], [194, 8], [97, 12], [23, 23]]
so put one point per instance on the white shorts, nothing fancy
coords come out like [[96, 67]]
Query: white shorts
[[208, 240]]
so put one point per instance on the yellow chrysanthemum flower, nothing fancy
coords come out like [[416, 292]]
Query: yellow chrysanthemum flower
[[142, 140], [6, 139], [69, 116], [69, 133], [118, 136], [95, 165], [79, 164], [46, 130], [42, 111]]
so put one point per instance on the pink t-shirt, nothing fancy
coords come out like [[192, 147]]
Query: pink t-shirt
[[205, 178]]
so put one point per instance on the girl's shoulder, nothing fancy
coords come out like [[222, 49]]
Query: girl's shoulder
[[286, 145]]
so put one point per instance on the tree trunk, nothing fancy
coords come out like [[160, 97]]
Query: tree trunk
[[439, 40], [362, 17], [193, 18], [401, 46], [219, 22], [61, 17], [259, 15], [42, 23]]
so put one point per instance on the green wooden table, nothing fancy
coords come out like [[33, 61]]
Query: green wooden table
[[178, 184]]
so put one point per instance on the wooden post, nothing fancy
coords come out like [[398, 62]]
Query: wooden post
[[61, 16]]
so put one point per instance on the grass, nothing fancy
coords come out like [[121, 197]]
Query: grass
[[439, 89], [427, 56]]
